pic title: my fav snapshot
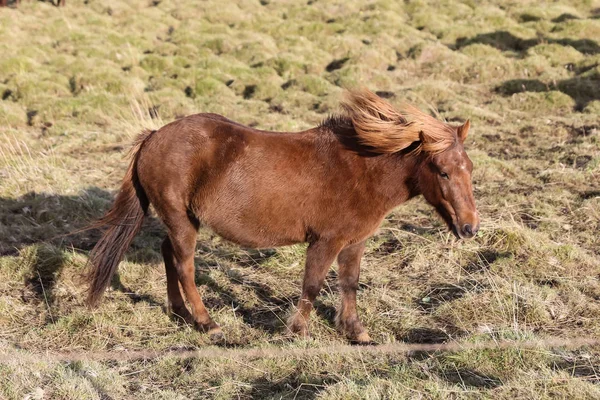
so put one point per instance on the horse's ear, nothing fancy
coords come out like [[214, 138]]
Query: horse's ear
[[421, 144], [463, 131], [422, 139]]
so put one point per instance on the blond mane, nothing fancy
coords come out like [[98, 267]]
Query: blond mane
[[386, 129]]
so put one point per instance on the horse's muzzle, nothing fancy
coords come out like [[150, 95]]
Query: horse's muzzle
[[467, 231]]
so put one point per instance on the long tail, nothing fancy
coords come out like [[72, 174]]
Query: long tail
[[120, 224]]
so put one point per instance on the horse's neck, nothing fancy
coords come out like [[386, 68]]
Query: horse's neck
[[394, 178]]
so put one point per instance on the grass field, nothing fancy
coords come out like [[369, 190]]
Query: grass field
[[76, 83]]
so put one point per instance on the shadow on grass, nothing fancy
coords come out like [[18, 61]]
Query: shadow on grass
[[506, 41], [429, 336], [39, 228], [271, 311], [579, 368], [46, 264], [48, 218], [582, 89], [483, 259], [438, 295], [426, 336], [295, 386], [59, 220], [392, 245], [242, 257], [135, 298], [467, 378], [269, 315]]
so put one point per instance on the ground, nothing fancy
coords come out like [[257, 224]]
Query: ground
[[77, 83]]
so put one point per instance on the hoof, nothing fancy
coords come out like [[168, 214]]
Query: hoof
[[362, 339], [298, 326], [208, 327], [216, 335], [355, 332]]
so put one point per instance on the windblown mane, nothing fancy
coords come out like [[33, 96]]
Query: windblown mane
[[385, 129]]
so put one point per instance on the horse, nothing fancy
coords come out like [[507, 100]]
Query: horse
[[330, 186]]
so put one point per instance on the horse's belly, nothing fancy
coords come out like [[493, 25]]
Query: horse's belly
[[255, 234], [252, 223]]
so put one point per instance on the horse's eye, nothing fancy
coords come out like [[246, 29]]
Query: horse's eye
[[444, 175]]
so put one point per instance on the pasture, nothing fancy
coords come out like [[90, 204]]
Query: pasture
[[77, 83]]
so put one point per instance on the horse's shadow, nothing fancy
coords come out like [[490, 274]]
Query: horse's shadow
[[272, 309], [269, 316], [36, 218], [40, 227]]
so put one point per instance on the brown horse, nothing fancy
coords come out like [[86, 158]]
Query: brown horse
[[330, 186]]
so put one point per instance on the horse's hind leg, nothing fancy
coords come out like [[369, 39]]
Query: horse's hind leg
[[349, 269], [182, 237], [319, 257], [176, 303]]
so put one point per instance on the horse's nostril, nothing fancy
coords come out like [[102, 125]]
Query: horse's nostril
[[468, 229]]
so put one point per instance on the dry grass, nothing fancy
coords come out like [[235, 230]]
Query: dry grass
[[78, 82]]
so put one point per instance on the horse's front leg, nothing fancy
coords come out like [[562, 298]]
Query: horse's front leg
[[349, 270], [319, 257]]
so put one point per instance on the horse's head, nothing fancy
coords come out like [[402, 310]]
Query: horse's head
[[444, 169], [445, 181]]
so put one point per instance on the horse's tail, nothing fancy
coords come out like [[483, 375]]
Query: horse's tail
[[120, 224]]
